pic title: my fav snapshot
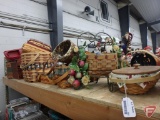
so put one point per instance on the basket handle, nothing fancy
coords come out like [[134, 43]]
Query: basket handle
[[31, 62], [52, 68]]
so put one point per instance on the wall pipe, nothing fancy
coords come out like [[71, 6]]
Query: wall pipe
[[21, 27]]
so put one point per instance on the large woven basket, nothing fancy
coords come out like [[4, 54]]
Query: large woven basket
[[35, 46], [101, 65], [35, 63], [136, 83], [134, 88]]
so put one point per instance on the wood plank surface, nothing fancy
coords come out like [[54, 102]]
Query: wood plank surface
[[141, 70], [87, 104]]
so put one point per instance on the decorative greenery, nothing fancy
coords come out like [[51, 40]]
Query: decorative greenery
[[79, 76]]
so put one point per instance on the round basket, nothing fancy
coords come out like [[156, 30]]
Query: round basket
[[145, 58], [134, 88], [137, 80], [65, 50], [34, 63]]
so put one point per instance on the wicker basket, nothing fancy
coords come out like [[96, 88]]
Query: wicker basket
[[35, 63], [136, 89], [65, 50], [136, 83], [102, 64], [35, 46]]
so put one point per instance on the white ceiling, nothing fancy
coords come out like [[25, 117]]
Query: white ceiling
[[150, 11]]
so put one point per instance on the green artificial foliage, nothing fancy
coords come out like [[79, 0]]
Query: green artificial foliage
[[82, 55]]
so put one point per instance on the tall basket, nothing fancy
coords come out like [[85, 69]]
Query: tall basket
[[35, 63]]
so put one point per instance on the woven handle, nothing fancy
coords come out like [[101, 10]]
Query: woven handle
[[138, 80], [31, 62]]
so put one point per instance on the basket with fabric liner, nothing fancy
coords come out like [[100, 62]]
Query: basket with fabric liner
[[138, 80], [103, 64], [33, 45], [35, 63]]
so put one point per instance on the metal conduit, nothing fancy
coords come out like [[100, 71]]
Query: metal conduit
[[42, 3], [24, 28], [30, 18], [22, 21]]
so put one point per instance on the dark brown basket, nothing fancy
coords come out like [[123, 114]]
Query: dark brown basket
[[65, 50]]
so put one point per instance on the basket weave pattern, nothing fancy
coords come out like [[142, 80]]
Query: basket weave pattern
[[34, 64], [35, 46], [101, 64], [136, 89]]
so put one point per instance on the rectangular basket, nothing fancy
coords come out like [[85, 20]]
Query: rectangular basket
[[35, 63], [101, 64], [35, 46], [13, 70]]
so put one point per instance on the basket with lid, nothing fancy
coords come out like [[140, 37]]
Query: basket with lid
[[138, 79]]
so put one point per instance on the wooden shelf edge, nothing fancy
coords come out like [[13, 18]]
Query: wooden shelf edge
[[72, 107]]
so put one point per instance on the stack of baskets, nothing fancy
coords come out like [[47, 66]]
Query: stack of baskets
[[36, 58]]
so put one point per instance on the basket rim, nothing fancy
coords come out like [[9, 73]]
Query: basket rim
[[136, 80]]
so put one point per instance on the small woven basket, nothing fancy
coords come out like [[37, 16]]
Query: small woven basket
[[65, 50], [101, 64], [35, 63], [35, 46]]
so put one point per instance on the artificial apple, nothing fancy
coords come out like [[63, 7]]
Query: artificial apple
[[76, 84], [78, 75], [81, 63]]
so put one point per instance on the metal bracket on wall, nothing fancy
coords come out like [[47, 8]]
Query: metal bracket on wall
[[23, 30]]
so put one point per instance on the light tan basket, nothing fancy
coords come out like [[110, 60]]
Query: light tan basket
[[35, 63], [35, 46], [134, 88], [101, 64]]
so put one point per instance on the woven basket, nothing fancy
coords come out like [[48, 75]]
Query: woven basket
[[140, 84], [60, 70], [141, 56], [102, 64], [35, 63], [35, 46], [65, 50], [136, 89]]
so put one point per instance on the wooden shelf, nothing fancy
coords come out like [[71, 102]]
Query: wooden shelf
[[87, 104]]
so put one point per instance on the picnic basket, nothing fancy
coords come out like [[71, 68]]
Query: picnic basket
[[34, 63], [33, 45]]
